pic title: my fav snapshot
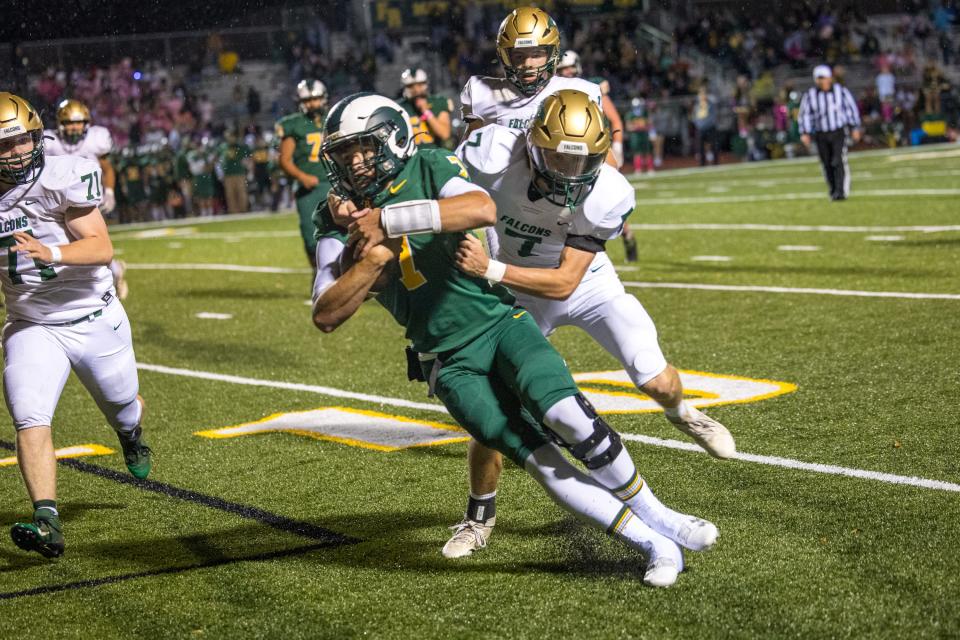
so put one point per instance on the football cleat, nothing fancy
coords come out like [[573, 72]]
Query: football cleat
[[707, 432], [43, 535], [697, 534], [468, 536], [136, 453], [661, 572]]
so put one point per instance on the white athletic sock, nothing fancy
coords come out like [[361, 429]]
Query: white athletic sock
[[577, 493], [620, 476], [682, 410]]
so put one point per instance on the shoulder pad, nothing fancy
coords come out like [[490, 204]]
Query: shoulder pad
[[75, 181], [491, 150], [605, 209], [100, 140]]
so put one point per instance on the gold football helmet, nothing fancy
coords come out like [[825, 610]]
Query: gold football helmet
[[528, 27], [567, 142], [70, 113], [20, 125]]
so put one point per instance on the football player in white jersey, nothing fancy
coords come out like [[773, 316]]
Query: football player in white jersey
[[528, 48], [62, 312], [558, 203], [75, 136], [570, 67]]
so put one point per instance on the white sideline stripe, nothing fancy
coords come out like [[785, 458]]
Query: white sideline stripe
[[710, 226], [824, 292], [186, 234], [204, 266], [788, 463], [293, 386], [785, 163], [770, 197], [180, 222]]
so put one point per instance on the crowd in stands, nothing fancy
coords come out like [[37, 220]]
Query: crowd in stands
[[172, 142], [819, 32]]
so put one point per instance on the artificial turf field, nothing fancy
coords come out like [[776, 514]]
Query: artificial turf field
[[282, 534]]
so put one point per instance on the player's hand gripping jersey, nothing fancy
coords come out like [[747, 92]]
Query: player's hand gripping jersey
[[498, 101], [531, 231], [34, 291], [95, 144], [441, 307]]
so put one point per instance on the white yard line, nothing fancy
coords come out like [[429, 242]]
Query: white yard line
[[180, 222], [293, 386], [812, 195], [776, 461], [709, 226], [188, 234], [858, 176], [204, 266], [781, 164], [815, 467], [801, 290]]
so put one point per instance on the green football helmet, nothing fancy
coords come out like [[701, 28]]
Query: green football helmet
[[367, 140]]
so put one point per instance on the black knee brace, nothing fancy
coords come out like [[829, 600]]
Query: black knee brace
[[601, 430]]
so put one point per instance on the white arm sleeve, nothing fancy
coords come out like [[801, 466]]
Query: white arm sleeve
[[328, 265], [457, 186]]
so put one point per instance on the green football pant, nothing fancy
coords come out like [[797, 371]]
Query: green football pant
[[499, 386], [307, 203]]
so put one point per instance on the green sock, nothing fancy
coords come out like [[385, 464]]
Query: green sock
[[48, 506]]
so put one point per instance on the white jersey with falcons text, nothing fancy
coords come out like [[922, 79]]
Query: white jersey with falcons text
[[51, 294], [498, 101], [531, 231], [97, 143]]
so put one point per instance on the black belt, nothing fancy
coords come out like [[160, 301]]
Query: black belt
[[72, 323]]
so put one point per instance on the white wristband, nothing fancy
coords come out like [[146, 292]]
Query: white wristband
[[411, 218], [495, 271], [57, 254]]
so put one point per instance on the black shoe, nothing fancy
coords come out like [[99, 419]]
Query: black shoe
[[136, 453]]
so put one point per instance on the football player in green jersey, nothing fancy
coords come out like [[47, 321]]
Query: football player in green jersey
[[301, 135], [392, 226], [429, 115]]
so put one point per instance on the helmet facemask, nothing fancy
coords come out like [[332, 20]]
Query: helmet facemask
[[23, 168], [73, 137], [565, 178], [364, 179], [316, 111], [523, 77]]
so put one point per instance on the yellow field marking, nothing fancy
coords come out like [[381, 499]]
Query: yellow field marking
[[236, 430], [76, 451]]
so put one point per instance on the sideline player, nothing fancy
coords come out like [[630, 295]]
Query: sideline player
[[484, 358], [301, 135], [429, 115], [570, 67], [76, 136], [558, 204], [62, 313]]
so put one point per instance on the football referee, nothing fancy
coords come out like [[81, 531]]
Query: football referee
[[827, 110]]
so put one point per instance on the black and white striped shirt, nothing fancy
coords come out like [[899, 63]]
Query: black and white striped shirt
[[828, 110]]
